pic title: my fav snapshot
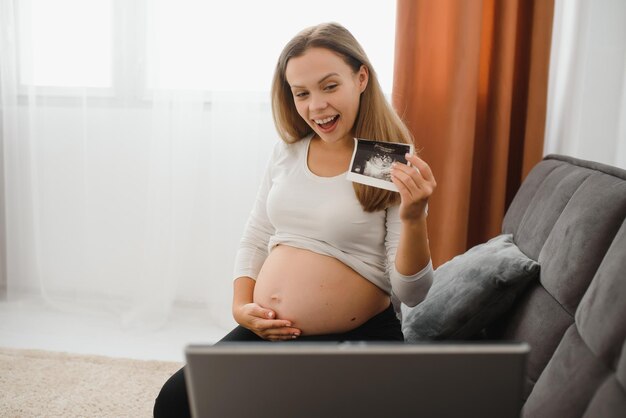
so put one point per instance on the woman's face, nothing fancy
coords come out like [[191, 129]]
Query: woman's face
[[326, 93]]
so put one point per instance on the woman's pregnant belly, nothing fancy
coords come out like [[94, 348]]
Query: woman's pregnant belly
[[318, 293]]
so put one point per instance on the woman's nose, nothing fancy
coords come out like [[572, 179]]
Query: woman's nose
[[318, 102]]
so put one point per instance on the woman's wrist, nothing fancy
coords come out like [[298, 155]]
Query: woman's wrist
[[415, 224], [243, 293], [237, 309]]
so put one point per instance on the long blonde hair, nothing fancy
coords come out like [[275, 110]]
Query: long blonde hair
[[376, 119]]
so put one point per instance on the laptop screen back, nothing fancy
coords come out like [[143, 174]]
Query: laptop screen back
[[362, 379]]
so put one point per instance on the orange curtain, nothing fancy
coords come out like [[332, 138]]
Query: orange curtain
[[470, 81]]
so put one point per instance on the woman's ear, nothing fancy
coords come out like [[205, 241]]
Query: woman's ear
[[363, 77]]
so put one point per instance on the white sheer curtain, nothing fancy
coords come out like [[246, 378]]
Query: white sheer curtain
[[135, 134], [587, 86]]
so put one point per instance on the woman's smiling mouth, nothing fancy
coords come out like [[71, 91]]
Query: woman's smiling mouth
[[327, 124]]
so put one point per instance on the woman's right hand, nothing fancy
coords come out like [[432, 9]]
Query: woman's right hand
[[261, 321]]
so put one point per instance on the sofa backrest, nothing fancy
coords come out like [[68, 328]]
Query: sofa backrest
[[569, 215]]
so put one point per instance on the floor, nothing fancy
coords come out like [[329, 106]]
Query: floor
[[30, 323]]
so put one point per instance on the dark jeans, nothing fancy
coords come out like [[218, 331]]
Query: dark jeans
[[173, 401]]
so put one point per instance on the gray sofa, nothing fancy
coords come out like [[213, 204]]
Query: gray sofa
[[569, 216]]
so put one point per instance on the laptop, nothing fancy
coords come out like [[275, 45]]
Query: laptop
[[355, 379]]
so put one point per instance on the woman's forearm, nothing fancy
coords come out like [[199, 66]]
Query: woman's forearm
[[243, 292], [413, 253]]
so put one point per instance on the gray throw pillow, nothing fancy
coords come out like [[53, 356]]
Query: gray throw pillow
[[470, 291]]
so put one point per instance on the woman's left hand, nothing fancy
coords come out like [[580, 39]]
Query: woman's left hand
[[415, 184]]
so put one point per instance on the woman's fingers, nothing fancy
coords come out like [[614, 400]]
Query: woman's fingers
[[416, 184], [421, 166], [273, 323], [261, 321], [405, 184], [277, 329], [417, 179], [410, 178], [283, 334]]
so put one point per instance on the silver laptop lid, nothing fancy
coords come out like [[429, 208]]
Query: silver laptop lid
[[355, 379]]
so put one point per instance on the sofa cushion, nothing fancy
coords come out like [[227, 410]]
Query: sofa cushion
[[470, 291]]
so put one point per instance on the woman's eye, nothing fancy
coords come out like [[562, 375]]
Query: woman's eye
[[301, 94], [330, 87]]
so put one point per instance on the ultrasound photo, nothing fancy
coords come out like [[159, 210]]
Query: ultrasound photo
[[371, 162]]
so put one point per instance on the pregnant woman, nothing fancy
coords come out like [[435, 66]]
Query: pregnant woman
[[321, 256]]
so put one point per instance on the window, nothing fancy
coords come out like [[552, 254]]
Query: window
[[66, 43], [132, 47]]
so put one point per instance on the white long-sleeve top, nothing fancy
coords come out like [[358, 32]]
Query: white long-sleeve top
[[295, 207]]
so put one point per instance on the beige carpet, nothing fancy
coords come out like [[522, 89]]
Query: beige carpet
[[36, 383]]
